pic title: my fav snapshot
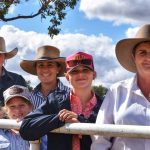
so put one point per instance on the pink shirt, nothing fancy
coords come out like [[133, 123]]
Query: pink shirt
[[76, 107]]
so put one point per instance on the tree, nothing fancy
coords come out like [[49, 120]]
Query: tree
[[28, 82], [100, 90], [55, 9]]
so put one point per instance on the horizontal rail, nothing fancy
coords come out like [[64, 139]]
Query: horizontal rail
[[130, 131]]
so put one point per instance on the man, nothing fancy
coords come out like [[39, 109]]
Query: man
[[17, 106], [7, 78]]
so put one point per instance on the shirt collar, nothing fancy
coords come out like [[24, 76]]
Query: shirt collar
[[58, 86], [92, 101]]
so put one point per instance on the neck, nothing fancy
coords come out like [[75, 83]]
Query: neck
[[144, 85], [84, 95], [47, 87]]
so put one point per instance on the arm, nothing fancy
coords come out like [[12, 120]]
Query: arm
[[71, 117], [105, 116], [41, 121]]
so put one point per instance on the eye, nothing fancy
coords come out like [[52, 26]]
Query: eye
[[86, 70], [50, 65], [74, 72], [40, 65], [143, 52], [12, 107]]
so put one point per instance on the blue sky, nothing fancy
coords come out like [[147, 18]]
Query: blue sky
[[93, 27]]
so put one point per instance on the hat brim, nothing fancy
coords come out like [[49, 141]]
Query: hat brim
[[16, 95], [124, 54], [29, 65], [10, 54]]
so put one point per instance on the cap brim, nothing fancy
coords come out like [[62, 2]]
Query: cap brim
[[73, 68], [10, 97], [124, 54], [29, 65]]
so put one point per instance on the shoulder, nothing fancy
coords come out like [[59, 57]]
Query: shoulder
[[122, 84], [13, 74], [61, 86]]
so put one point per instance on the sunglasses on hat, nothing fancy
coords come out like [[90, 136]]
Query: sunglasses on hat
[[73, 63]]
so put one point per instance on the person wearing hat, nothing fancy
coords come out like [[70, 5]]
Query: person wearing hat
[[48, 66], [127, 102], [81, 105], [7, 78], [17, 106]]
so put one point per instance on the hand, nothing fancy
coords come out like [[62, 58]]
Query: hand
[[68, 116]]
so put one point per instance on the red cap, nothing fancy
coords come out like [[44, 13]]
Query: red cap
[[79, 58]]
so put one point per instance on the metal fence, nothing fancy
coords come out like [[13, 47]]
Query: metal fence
[[130, 131]]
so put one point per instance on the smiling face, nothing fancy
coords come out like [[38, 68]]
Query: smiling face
[[47, 71], [142, 59], [81, 77], [18, 108]]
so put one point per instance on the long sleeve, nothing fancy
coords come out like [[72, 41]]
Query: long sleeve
[[41, 121]]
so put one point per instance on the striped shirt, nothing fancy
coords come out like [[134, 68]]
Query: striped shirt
[[12, 141], [38, 98]]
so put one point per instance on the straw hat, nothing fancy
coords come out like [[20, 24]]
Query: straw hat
[[44, 53], [125, 47], [3, 49]]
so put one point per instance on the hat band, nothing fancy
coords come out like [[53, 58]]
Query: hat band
[[48, 58]]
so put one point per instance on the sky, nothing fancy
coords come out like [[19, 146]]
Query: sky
[[92, 27]]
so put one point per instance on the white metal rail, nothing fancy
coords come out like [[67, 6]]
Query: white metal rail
[[130, 131]]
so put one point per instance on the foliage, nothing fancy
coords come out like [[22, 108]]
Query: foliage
[[29, 85], [100, 90], [55, 9]]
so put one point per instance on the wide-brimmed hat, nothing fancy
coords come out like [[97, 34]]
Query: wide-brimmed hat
[[16, 91], [44, 53], [3, 49], [77, 59], [124, 48]]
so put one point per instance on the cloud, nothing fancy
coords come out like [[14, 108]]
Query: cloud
[[11, 9], [101, 47], [129, 12]]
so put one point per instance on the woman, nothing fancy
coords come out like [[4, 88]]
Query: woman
[[48, 66], [81, 105], [7, 78], [127, 102]]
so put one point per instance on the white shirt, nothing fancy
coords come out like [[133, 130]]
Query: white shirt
[[124, 104]]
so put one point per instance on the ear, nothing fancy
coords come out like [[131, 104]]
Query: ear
[[94, 75], [67, 76]]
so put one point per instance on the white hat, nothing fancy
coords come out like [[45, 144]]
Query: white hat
[[16, 91]]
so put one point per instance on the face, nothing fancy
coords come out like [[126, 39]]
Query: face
[[2, 59], [17, 108], [142, 59], [47, 71], [81, 77]]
